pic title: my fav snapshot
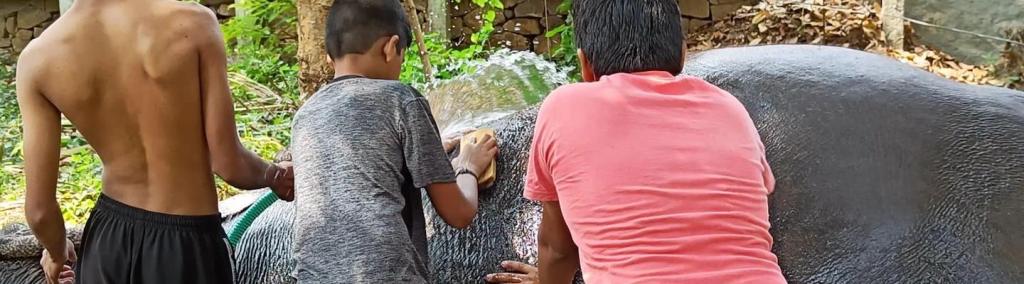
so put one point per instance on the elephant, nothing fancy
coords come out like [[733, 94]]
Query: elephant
[[885, 174]]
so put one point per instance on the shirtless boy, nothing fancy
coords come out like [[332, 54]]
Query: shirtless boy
[[145, 83]]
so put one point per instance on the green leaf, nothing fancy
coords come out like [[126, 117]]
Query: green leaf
[[565, 7], [556, 31], [489, 17]]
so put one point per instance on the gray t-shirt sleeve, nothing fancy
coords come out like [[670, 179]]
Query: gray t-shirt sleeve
[[424, 155]]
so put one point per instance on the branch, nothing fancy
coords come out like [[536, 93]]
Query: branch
[[414, 22]]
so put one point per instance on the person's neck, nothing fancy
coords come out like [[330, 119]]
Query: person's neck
[[351, 66]]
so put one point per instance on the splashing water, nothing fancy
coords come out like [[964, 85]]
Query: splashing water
[[508, 81]]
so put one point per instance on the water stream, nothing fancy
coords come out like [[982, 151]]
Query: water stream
[[506, 82]]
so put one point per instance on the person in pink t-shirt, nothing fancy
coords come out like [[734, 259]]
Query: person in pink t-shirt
[[645, 175]]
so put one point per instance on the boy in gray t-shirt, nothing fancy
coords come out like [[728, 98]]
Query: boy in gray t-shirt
[[363, 147]]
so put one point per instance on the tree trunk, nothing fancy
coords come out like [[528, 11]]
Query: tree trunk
[[437, 16], [892, 22], [414, 22], [314, 64]]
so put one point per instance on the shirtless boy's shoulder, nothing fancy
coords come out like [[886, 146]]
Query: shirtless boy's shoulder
[[190, 21]]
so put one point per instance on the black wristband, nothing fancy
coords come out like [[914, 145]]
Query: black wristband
[[464, 171]]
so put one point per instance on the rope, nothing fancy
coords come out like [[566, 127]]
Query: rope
[[927, 24]]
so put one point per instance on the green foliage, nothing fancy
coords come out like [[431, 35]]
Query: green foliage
[[564, 53], [491, 8], [80, 174], [10, 134], [449, 62], [446, 62]]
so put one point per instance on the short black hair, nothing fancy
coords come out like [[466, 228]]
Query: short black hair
[[627, 36], [353, 26]]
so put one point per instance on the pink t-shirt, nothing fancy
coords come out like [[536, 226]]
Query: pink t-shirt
[[661, 179]]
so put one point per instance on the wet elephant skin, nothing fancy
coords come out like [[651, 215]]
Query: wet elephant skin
[[886, 173]]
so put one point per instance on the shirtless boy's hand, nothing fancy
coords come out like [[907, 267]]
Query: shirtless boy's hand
[[476, 155], [282, 180], [56, 269]]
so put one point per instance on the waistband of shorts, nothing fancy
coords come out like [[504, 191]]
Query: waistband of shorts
[[114, 207]]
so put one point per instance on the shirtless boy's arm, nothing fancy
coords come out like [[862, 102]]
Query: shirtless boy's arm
[[230, 160], [558, 256], [41, 127]]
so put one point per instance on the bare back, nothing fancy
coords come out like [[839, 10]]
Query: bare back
[[127, 75]]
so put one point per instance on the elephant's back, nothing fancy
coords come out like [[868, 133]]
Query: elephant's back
[[20, 271], [885, 172], [263, 254]]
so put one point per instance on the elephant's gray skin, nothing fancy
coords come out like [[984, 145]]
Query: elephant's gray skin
[[886, 173]]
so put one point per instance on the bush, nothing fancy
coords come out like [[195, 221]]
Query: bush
[[80, 174]]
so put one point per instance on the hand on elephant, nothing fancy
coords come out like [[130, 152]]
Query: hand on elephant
[[57, 269], [283, 181], [518, 272], [476, 155], [451, 141]]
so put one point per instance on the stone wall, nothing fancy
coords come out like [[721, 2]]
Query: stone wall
[[523, 23], [697, 13], [989, 17], [23, 20]]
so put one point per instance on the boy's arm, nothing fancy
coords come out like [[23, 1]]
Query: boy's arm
[[456, 202], [558, 255], [41, 127], [229, 158], [425, 157]]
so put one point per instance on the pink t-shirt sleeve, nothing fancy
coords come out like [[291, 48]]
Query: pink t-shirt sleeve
[[539, 184]]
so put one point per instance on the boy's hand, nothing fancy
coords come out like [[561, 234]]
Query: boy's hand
[[57, 271], [451, 141], [518, 272], [282, 180], [476, 155]]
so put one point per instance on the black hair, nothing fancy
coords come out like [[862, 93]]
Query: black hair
[[353, 26], [626, 36]]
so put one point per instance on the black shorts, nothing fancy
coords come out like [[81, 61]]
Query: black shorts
[[124, 244]]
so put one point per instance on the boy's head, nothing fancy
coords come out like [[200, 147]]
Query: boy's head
[[626, 36], [368, 35]]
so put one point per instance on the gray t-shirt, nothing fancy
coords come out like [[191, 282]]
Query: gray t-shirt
[[362, 149]]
